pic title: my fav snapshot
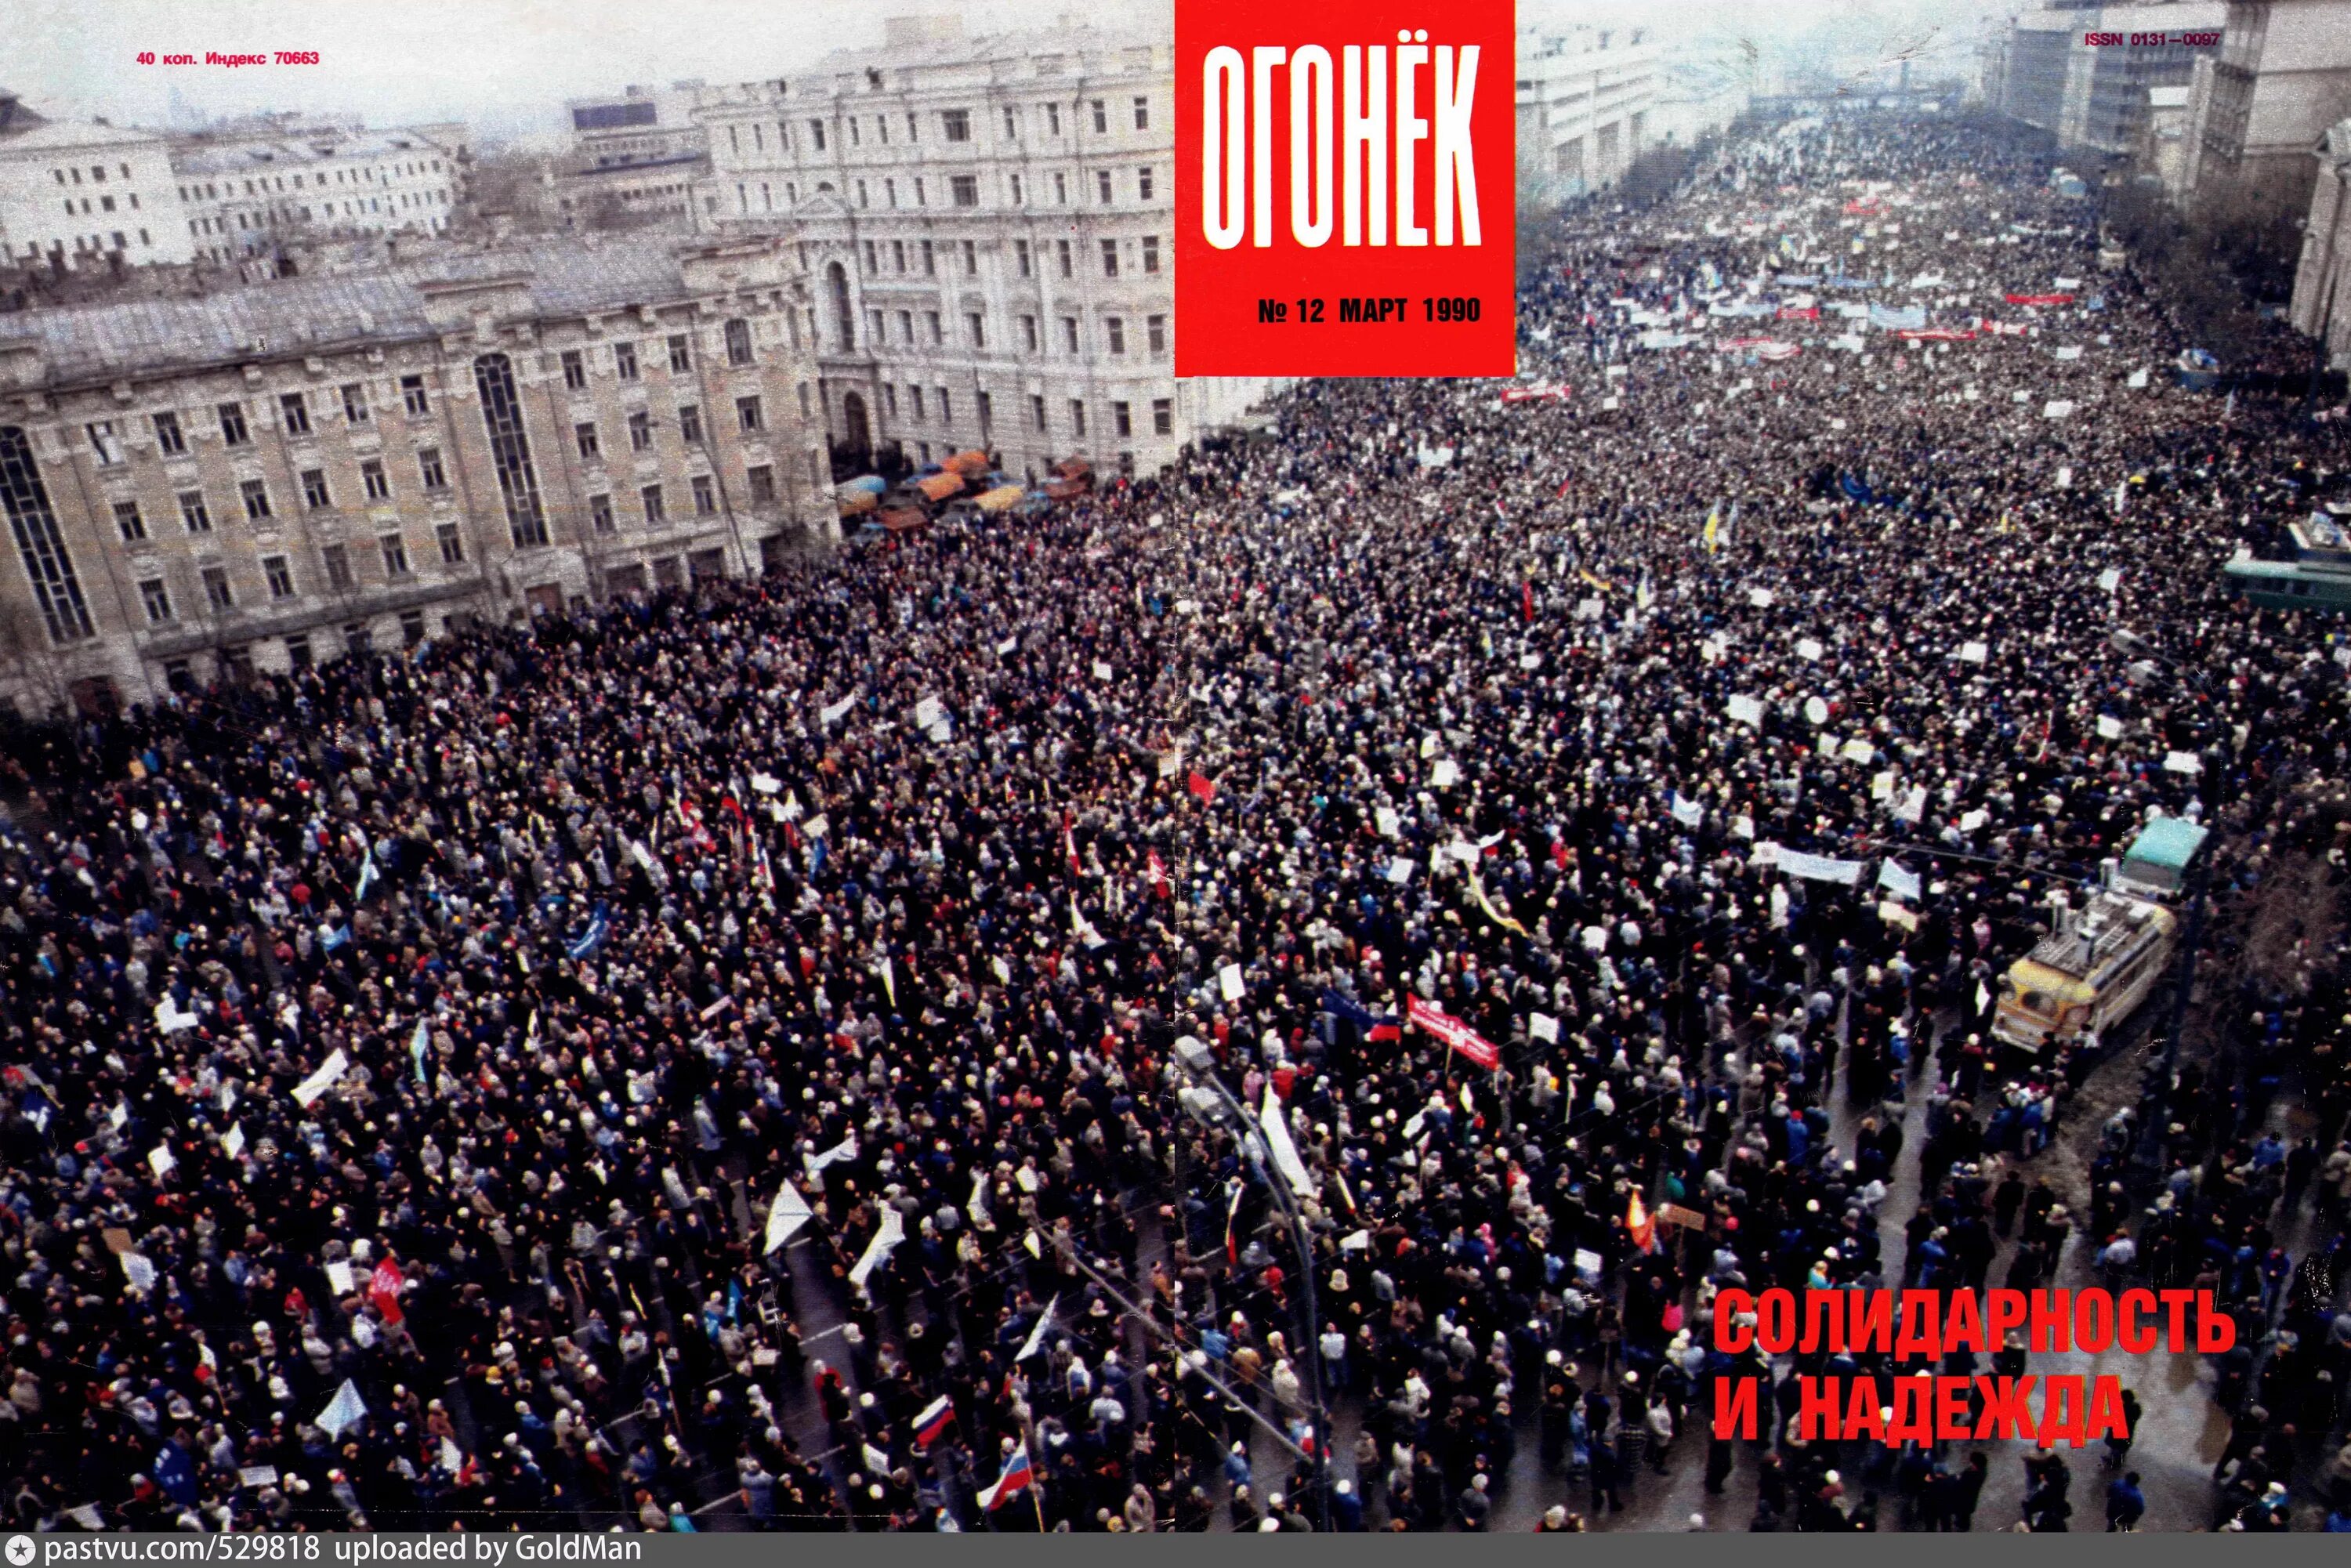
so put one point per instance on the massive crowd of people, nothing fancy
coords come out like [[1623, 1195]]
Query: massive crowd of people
[[409, 1062]]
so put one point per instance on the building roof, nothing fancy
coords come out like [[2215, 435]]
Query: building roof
[[300, 315], [261, 153], [59, 135]]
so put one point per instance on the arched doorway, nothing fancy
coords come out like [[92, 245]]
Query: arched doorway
[[844, 324], [853, 452]]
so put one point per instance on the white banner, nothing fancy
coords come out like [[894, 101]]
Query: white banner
[[330, 1073], [1820, 868]]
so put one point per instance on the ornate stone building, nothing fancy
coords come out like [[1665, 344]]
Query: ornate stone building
[[273, 475], [988, 228]]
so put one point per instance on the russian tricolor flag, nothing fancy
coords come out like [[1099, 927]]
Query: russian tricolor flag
[[935, 1417], [1018, 1478]]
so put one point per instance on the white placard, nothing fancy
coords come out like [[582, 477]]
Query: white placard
[[1229, 982], [1810, 648], [1444, 775], [1009, 646], [1761, 598], [2057, 408], [338, 1277], [767, 784], [2110, 579], [927, 713], [1386, 820], [1400, 871], [1975, 653], [1816, 711], [1103, 672], [1748, 711], [1542, 1026], [2183, 762], [1859, 751], [2109, 727]]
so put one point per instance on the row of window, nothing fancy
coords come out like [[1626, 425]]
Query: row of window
[[1122, 412], [277, 572], [210, 190], [105, 205], [679, 347], [976, 334], [97, 174], [751, 416], [955, 125], [88, 245], [907, 258], [962, 190]]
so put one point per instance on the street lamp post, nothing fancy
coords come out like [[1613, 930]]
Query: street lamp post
[[1211, 1104]]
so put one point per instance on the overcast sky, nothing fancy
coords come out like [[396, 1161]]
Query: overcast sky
[[507, 65]]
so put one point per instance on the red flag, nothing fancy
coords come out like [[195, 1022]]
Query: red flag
[[2038, 298], [1527, 599], [1158, 870], [1564, 486], [1458, 1036], [1203, 786], [1639, 1226], [383, 1289]]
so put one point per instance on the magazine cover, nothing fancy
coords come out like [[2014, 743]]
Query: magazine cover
[[879, 767]]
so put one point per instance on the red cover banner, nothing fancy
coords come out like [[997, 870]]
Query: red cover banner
[[1345, 188]]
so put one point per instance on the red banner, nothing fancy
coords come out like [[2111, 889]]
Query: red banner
[[1809, 313], [1935, 335], [1458, 1036], [1344, 188], [2038, 298]]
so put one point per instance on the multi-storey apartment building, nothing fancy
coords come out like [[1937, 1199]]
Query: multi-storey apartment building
[[2088, 94], [2322, 282], [2280, 80], [271, 475], [247, 194], [1584, 97], [81, 196], [639, 155], [989, 229]]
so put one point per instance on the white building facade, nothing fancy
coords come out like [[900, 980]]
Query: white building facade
[[1584, 100], [247, 195], [2322, 282], [75, 196], [987, 226]]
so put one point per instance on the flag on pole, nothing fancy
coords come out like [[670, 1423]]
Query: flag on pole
[[1527, 599], [1639, 1226], [344, 1411], [1278, 1141], [418, 1046], [592, 938], [367, 876], [786, 1215], [933, 1420], [1714, 528], [1203, 786], [1069, 844], [1376, 1026], [1044, 1325], [1018, 1478], [1232, 1214], [1160, 884], [885, 1239]]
